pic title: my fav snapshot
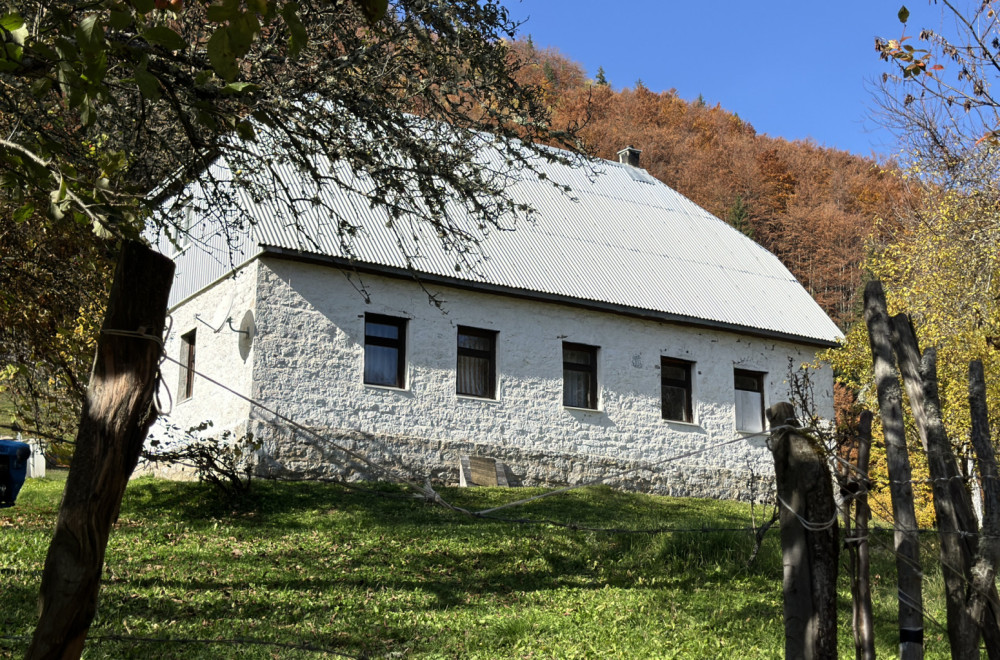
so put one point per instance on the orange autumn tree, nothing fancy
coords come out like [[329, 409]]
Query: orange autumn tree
[[812, 206]]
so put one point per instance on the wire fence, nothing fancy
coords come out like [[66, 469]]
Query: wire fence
[[422, 488], [867, 479]]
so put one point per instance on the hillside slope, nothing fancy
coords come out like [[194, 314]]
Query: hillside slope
[[812, 206]]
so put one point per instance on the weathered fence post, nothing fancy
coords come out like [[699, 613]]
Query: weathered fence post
[[983, 603], [808, 539], [907, 542], [116, 416], [956, 522], [856, 542]]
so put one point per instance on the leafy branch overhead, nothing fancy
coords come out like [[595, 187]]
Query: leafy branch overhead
[[936, 253], [945, 80], [105, 102], [112, 112]]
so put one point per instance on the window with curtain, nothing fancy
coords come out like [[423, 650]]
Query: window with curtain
[[385, 350], [749, 400], [676, 389], [579, 375], [476, 371]]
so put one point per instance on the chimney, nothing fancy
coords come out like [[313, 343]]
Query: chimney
[[629, 156]]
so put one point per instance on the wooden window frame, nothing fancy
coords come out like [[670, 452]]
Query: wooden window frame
[[589, 369], [399, 343], [490, 355], [684, 385], [186, 387]]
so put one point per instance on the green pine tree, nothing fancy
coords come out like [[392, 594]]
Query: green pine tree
[[738, 216], [550, 74]]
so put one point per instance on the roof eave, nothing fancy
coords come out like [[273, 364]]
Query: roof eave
[[458, 283]]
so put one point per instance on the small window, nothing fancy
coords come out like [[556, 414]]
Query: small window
[[676, 385], [182, 228], [476, 371], [186, 387], [385, 350], [579, 376], [749, 400]]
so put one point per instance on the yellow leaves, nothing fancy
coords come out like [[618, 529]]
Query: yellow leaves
[[941, 265]]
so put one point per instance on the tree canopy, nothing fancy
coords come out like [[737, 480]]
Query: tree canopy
[[940, 262], [104, 105], [937, 254], [103, 102], [812, 206]]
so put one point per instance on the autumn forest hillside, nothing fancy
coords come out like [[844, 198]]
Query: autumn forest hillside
[[812, 206]]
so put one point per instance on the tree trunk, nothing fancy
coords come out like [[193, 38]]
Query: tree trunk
[[808, 541], [907, 542], [952, 505], [858, 547], [116, 416], [984, 606]]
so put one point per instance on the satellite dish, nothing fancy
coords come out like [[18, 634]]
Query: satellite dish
[[247, 332], [222, 313]]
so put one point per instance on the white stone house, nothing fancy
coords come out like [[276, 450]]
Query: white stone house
[[625, 334]]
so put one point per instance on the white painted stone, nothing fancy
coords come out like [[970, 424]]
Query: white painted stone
[[217, 355], [307, 364]]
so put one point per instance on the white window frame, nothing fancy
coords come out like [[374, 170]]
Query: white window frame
[[749, 401]]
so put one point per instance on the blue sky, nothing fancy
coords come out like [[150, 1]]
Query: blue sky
[[792, 69]]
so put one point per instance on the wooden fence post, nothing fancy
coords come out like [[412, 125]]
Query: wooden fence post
[[808, 539], [906, 541], [983, 603], [116, 416], [857, 545], [952, 505]]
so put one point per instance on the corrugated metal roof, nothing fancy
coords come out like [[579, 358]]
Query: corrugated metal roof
[[621, 238]]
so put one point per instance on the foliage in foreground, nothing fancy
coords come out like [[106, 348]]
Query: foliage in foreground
[[939, 265], [936, 255], [109, 109], [224, 461], [318, 566]]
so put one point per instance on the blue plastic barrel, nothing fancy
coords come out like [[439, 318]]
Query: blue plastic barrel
[[13, 469]]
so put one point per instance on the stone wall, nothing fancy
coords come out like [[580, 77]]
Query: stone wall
[[308, 365], [219, 354], [332, 454]]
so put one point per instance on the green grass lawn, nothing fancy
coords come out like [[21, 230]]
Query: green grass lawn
[[314, 565]]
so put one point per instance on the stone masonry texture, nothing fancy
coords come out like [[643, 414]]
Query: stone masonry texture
[[307, 361]]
